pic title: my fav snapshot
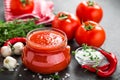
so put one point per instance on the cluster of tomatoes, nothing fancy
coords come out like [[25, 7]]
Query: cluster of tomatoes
[[84, 26]]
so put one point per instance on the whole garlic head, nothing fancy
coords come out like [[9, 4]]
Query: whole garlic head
[[18, 47], [6, 51], [10, 63]]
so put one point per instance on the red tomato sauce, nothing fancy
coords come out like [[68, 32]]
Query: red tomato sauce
[[46, 40], [46, 51]]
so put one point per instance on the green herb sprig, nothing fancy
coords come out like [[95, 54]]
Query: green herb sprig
[[55, 77], [16, 28], [1, 69], [92, 58], [85, 46]]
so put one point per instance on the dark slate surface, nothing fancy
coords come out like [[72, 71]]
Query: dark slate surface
[[111, 24]]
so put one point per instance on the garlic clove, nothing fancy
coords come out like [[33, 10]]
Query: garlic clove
[[6, 51], [17, 48], [10, 63]]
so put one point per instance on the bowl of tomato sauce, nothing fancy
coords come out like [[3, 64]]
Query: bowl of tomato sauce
[[46, 51]]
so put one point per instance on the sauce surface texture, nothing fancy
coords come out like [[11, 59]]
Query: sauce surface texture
[[47, 38]]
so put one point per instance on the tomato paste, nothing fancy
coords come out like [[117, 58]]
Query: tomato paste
[[46, 51]]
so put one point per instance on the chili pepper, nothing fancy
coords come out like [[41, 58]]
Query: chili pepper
[[112, 67], [14, 40], [104, 67], [106, 70], [94, 69]]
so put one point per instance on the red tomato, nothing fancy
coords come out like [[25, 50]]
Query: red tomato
[[19, 7], [89, 10], [90, 33], [66, 22]]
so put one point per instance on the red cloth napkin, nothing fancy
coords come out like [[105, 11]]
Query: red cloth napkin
[[43, 10]]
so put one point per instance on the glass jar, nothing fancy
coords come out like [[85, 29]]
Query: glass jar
[[46, 51]]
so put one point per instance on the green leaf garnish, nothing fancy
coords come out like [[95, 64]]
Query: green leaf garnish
[[91, 58], [73, 52], [1, 69], [85, 46], [55, 77]]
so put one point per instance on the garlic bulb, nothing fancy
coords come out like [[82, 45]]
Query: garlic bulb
[[6, 51], [18, 47], [10, 63]]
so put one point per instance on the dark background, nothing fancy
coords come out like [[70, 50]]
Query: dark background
[[111, 24]]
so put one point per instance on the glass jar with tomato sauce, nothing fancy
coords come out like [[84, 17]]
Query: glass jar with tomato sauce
[[46, 51]]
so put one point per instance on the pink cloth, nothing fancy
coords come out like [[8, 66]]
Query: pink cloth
[[43, 10]]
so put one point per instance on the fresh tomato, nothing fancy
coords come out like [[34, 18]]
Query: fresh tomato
[[89, 10], [19, 7], [90, 33], [66, 22]]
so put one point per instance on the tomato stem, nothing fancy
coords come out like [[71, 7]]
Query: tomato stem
[[24, 2], [90, 3], [63, 16], [88, 27]]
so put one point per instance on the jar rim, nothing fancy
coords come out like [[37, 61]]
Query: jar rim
[[40, 47]]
